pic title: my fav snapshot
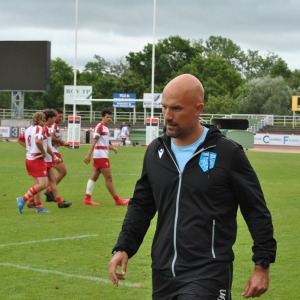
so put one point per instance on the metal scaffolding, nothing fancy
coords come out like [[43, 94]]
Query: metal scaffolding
[[17, 105]]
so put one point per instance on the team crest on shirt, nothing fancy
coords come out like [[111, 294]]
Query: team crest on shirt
[[207, 160]]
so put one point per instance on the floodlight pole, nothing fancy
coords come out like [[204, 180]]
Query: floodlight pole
[[75, 74], [153, 59]]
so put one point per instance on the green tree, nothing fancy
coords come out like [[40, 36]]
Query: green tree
[[101, 67], [133, 84], [255, 66], [86, 78], [195, 67], [119, 67], [294, 81], [280, 68], [140, 63], [229, 51], [266, 96], [5, 100], [104, 89], [219, 77], [171, 54], [220, 105]]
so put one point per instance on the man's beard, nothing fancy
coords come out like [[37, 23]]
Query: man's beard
[[179, 132]]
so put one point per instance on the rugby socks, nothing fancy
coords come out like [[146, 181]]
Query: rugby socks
[[31, 201], [90, 187], [59, 200], [29, 194], [39, 205]]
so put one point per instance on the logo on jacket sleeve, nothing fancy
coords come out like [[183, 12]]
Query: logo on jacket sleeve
[[207, 160], [160, 152]]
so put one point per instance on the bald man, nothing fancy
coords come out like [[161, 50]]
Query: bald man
[[195, 179]]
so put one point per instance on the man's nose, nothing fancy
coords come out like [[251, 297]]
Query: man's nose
[[167, 114]]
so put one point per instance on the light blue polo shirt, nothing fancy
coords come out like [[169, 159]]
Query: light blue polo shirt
[[184, 153]]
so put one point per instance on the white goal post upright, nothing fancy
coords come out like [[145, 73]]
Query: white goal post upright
[[152, 130]]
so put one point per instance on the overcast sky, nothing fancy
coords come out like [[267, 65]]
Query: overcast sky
[[113, 28]]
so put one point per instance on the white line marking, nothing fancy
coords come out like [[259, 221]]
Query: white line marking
[[50, 240], [98, 279], [114, 174]]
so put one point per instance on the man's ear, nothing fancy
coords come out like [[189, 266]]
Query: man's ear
[[199, 108]]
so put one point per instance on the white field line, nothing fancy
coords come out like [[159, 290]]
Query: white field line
[[50, 240], [98, 279], [113, 174]]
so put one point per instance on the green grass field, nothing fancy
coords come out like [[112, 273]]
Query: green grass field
[[65, 254]]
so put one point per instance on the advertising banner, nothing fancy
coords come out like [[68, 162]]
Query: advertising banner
[[152, 129], [156, 103], [276, 139], [5, 131], [296, 103], [123, 104], [74, 127], [82, 92]]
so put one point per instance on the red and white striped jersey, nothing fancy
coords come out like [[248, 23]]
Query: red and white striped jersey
[[29, 136], [56, 130], [48, 157], [101, 133]]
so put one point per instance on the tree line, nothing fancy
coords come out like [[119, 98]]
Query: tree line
[[235, 81]]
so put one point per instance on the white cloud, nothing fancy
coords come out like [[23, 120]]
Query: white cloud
[[114, 28]]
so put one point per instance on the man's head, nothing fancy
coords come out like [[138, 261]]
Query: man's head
[[50, 116], [59, 116], [38, 118], [106, 116], [183, 102]]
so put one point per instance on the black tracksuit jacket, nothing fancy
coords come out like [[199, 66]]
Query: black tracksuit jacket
[[197, 208]]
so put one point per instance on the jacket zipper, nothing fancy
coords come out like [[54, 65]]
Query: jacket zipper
[[213, 239], [175, 226], [177, 204]]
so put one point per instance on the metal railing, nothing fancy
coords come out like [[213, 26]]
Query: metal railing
[[140, 117]]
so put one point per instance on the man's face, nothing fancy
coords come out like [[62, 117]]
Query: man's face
[[180, 117], [106, 119], [51, 121], [59, 118]]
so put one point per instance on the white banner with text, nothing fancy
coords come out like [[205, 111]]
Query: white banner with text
[[276, 139]]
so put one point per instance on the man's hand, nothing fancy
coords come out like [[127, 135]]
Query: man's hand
[[120, 258], [87, 159], [56, 159], [257, 284]]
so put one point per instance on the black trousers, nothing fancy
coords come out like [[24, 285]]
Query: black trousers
[[211, 282]]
